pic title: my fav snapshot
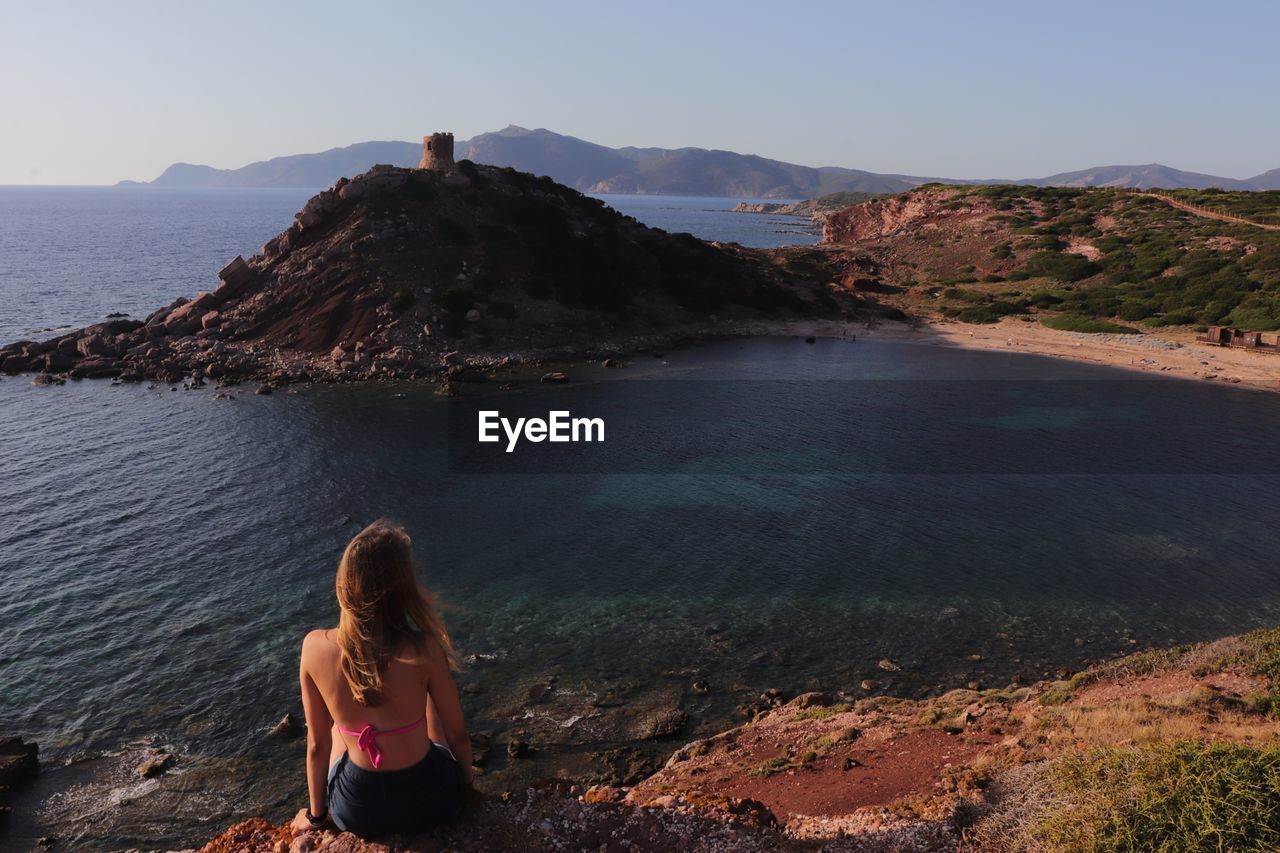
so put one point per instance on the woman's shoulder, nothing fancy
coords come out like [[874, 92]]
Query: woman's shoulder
[[318, 641]]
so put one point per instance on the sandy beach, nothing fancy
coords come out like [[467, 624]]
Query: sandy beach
[[1175, 353]]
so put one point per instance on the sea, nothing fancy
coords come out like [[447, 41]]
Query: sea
[[762, 514]]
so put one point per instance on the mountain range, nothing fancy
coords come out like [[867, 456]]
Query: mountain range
[[590, 167]]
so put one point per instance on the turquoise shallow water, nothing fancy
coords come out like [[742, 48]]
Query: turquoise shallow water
[[763, 514]]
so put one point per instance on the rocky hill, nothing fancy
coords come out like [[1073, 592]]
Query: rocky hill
[[1089, 260], [405, 272]]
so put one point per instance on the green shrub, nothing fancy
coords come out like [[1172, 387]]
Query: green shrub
[[1061, 266], [1091, 325]]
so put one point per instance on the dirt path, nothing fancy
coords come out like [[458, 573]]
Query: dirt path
[[1210, 214]]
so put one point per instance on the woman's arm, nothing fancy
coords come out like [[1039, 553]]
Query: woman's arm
[[444, 701], [319, 731]]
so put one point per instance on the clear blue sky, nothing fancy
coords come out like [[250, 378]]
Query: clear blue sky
[[93, 92]]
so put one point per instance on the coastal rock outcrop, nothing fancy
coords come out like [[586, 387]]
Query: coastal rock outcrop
[[18, 762], [383, 274]]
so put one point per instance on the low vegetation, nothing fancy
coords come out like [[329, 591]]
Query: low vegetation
[[1129, 260], [1181, 796]]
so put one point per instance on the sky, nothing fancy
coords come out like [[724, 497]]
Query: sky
[[96, 92]]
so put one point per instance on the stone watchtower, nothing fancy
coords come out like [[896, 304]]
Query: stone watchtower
[[437, 152]]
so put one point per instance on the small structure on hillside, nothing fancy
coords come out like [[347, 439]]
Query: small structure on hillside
[[437, 152], [1229, 336]]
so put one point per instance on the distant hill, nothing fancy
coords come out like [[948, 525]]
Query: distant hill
[[1265, 181], [590, 167], [296, 170], [1150, 176]]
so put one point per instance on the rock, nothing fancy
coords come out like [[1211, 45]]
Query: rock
[[264, 389], [234, 277], [210, 320], [47, 379], [18, 759], [473, 316], [664, 723], [58, 361], [811, 340], [555, 376], [155, 764], [612, 362], [517, 748], [14, 364], [889, 665], [868, 684], [626, 765], [96, 345], [97, 368], [700, 685], [338, 354], [604, 794], [446, 389], [850, 763], [288, 727], [813, 700]]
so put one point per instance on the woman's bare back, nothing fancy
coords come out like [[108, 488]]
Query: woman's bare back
[[405, 691]]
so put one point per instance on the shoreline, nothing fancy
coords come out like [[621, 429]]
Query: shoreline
[[1175, 354]]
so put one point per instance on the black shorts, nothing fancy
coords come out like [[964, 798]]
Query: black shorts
[[384, 802]]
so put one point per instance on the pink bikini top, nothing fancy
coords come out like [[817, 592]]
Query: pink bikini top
[[367, 738]]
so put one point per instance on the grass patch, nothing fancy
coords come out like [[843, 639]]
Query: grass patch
[[823, 713], [1185, 795], [774, 766]]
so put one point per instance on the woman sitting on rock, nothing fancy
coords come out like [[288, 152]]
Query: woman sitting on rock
[[383, 716]]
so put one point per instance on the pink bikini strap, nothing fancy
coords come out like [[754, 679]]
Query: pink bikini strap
[[367, 738]]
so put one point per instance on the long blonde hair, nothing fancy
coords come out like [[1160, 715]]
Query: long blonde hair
[[383, 608]]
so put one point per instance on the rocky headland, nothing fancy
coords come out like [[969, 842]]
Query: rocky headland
[[1129, 754], [413, 272]]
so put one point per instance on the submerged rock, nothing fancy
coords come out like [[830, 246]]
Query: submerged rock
[[156, 762], [18, 760], [288, 727]]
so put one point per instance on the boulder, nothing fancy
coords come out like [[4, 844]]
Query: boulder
[[58, 361], [97, 367], [210, 320], [288, 727], [812, 700], [92, 345], [663, 723], [14, 364], [234, 276], [156, 762], [555, 376], [378, 179], [18, 759]]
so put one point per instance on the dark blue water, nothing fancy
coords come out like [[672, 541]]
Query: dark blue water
[[163, 552]]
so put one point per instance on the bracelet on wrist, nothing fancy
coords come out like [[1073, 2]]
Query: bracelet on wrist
[[317, 820]]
